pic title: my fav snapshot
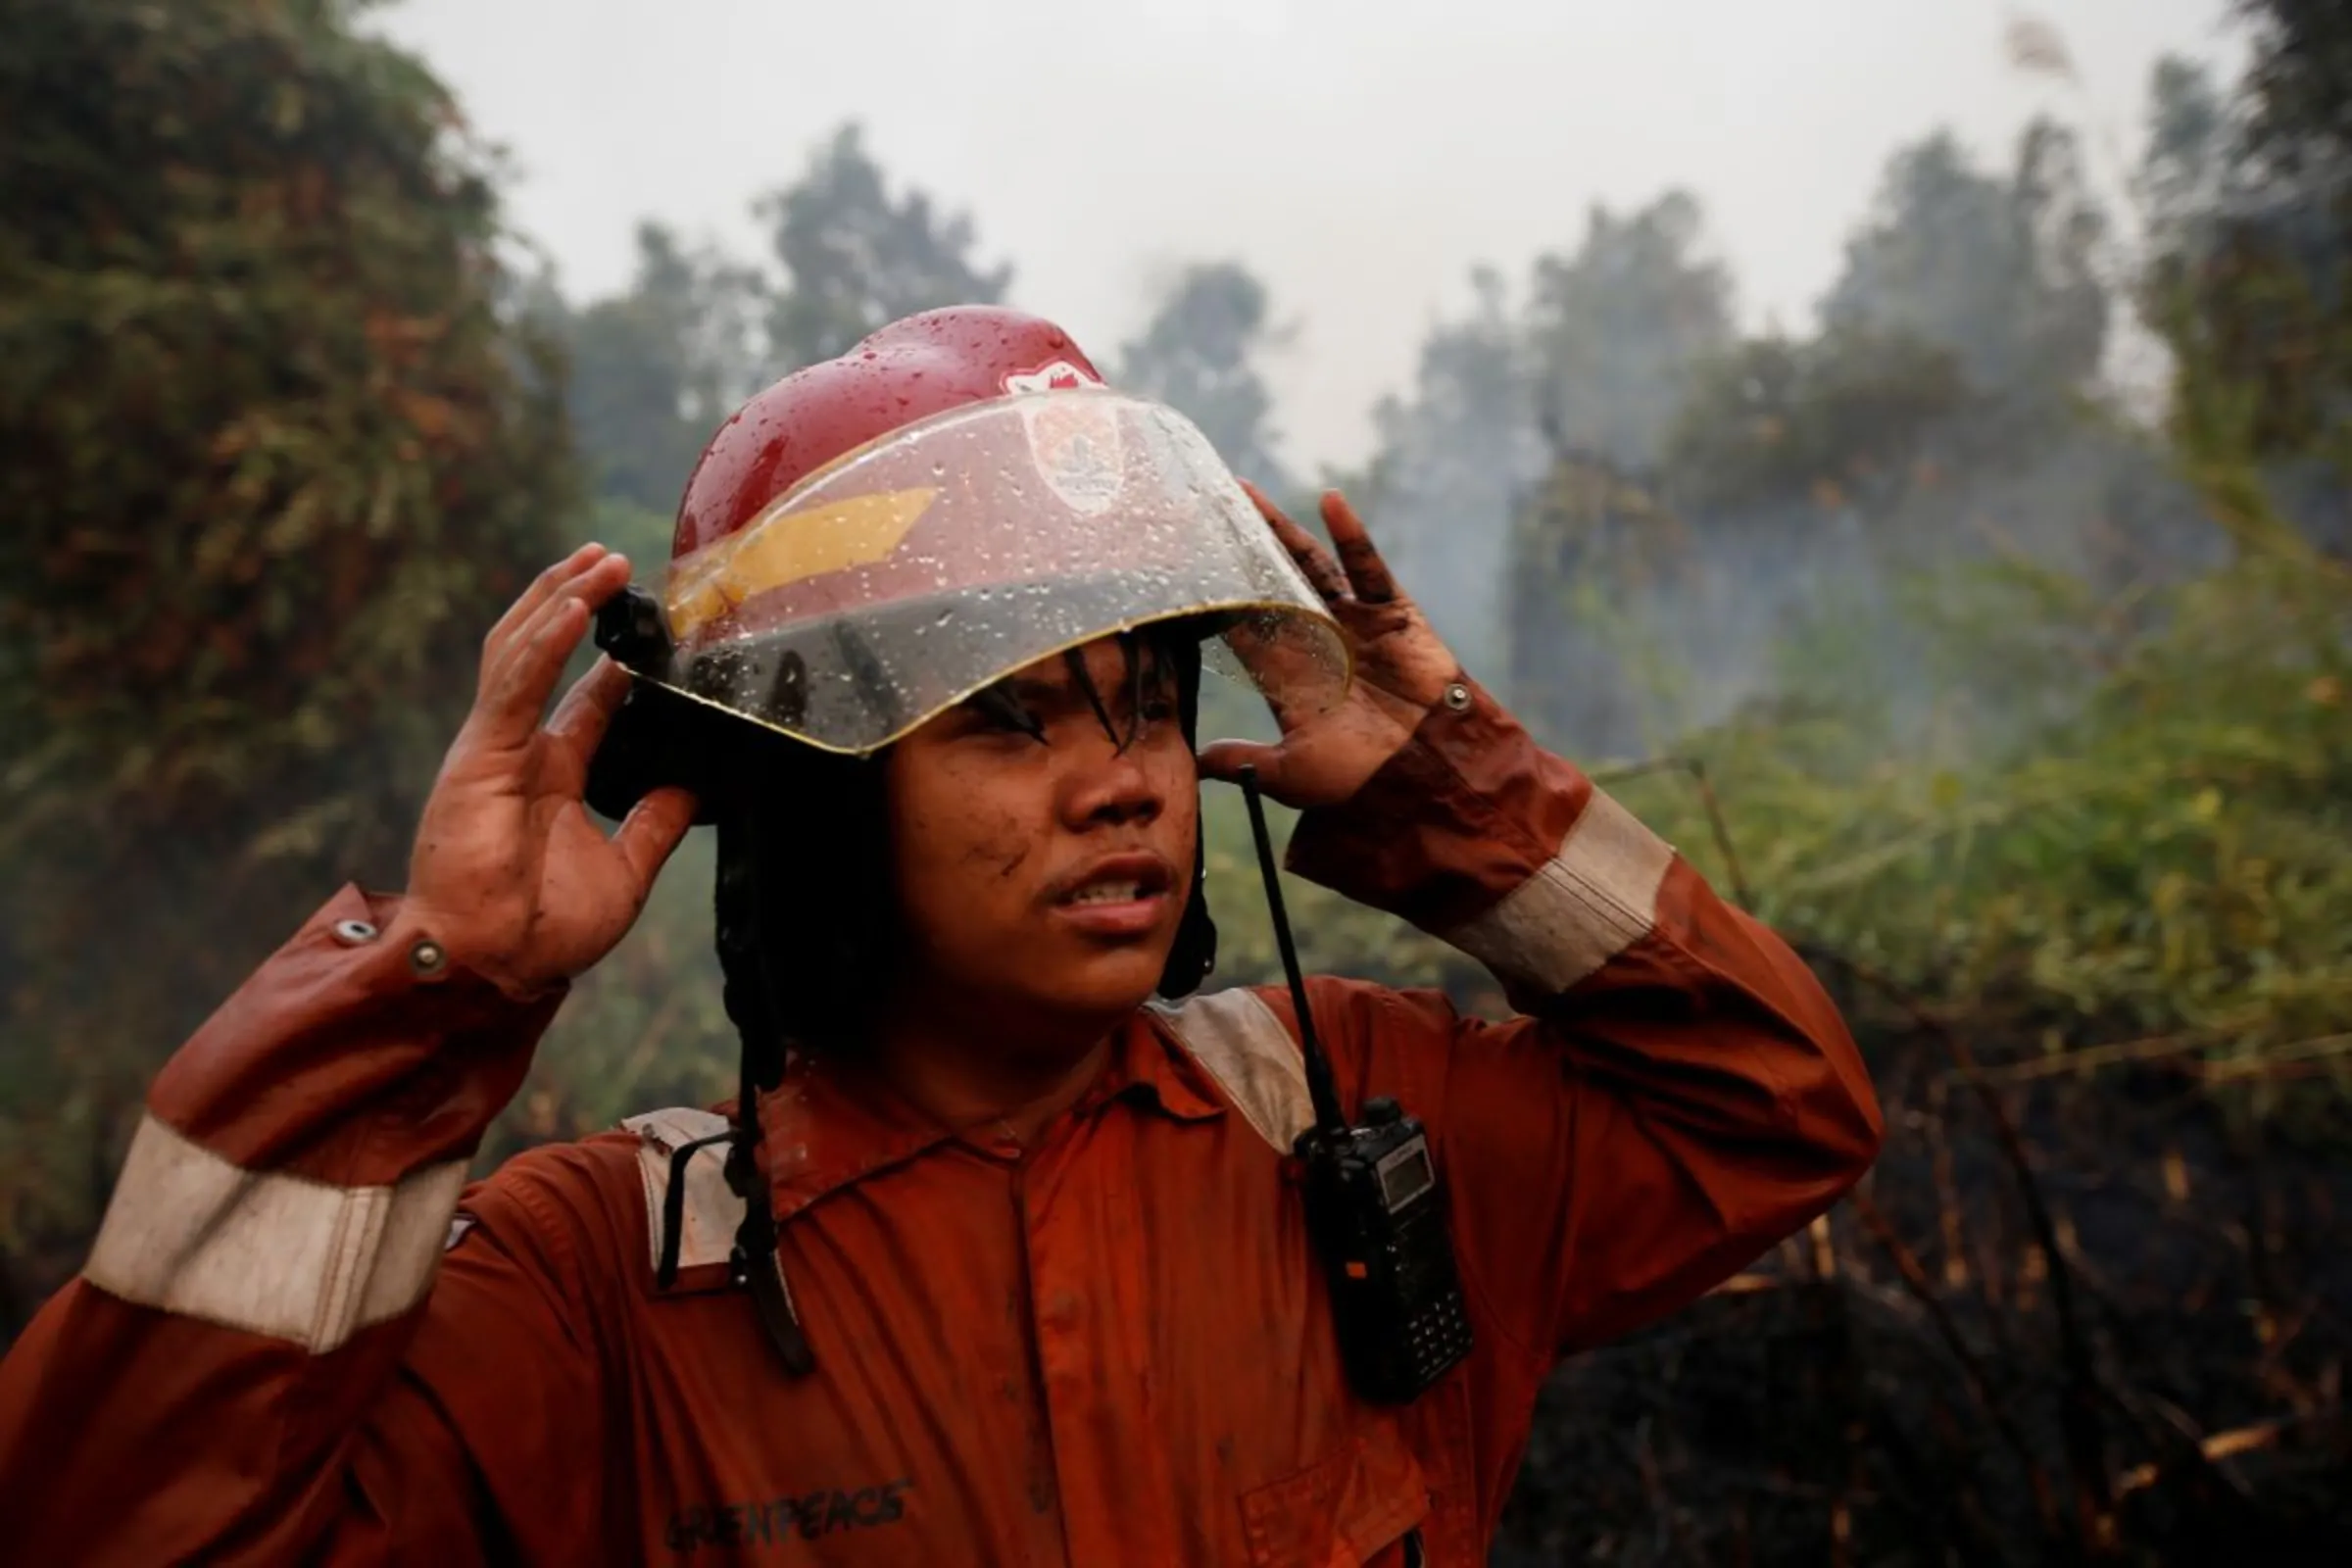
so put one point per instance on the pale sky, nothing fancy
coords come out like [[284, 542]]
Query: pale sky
[[1361, 156]]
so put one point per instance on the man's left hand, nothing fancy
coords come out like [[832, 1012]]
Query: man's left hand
[[1401, 670]]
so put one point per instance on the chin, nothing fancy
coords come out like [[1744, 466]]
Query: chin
[[1104, 985]]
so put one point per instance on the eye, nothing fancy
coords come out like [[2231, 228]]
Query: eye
[[997, 712]]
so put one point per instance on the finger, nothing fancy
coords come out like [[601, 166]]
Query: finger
[[1225, 759], [1323, 573], [509, 714], [521, 653], [587, 709], [581, 721], [1303, 548], [1366, 572], [651, 831], [542, 588]]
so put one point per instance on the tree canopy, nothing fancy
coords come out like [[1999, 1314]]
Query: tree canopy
[[853, 257], [276, 456]]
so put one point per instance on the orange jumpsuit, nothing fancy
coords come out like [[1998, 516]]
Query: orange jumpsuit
[[300, 1337]]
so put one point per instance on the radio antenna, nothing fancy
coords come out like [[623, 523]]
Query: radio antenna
[[1327, 1115]]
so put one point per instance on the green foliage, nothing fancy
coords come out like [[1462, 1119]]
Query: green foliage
[[1847, 413], [2171, 856], [275, 461], [2050, 724]]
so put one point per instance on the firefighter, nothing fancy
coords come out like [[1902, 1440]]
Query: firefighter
[[1000, 1256]]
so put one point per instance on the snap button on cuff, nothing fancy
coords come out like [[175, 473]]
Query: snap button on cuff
[[351, 933], [426, 956], [1457, 696]]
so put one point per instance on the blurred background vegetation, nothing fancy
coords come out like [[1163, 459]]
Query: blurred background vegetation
[[2023, 703]]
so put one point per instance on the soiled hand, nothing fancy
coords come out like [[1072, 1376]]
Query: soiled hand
[[510, 872]]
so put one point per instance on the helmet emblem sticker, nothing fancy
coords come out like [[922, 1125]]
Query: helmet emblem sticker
[[1076, 445], [1058, 375]]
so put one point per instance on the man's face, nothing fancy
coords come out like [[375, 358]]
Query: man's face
[[1048, 876]]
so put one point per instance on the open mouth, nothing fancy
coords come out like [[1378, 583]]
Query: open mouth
[[1125, 892], [1126, 895]]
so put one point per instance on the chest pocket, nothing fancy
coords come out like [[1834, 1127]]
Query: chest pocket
[[1359, 1507]]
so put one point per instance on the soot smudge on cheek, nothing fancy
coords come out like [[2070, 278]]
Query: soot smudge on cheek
[[999, 845]]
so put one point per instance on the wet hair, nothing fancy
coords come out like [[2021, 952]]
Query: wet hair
[[1150, 656]]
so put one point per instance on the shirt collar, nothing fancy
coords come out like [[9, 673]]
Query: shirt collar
[[1149, 1064], [831, 1124]]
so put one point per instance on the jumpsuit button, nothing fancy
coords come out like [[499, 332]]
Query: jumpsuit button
[[351, 933], [1457, 696], [426, 956]]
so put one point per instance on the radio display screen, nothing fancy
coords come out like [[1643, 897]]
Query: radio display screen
[[1405, 1176]]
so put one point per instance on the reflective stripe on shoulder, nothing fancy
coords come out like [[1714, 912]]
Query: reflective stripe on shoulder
[[712, 1211], [1595, 899], [1252, 1056], [285, 1257]]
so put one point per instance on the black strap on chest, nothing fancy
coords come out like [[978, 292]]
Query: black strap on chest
[[673, 1206]]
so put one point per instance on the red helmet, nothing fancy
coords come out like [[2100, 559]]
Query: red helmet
[[908, 370], [874, 538]]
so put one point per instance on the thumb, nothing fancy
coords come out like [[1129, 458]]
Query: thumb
[[654, 827], [1225, 759]]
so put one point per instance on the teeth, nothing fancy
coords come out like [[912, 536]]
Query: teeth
[[1108, 892]]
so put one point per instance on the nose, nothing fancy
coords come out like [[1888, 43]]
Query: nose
[[1111, 788]]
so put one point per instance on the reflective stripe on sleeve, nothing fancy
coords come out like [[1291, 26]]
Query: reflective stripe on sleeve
[[294, 1260], [1591, 901]]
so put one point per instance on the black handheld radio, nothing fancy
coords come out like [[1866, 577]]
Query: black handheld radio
[[1373, 1207]]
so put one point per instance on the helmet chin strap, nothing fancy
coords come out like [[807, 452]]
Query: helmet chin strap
[[1194, 952]]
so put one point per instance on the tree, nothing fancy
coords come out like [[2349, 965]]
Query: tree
[[1199, 354], [2186, 166], [856, 258], [1568, 518], [657, 370], [1848, 412], [276, 460], [1450, 463], [2000, 272], [2300, 80], [1616, 326], [2250, 277], [1590, 551]]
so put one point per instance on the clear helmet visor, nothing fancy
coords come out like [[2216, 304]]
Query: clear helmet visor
[[897, 581]]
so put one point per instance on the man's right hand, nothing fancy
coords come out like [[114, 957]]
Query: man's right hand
[[511, 874]]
